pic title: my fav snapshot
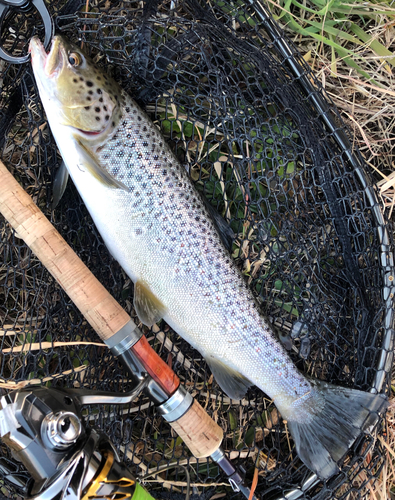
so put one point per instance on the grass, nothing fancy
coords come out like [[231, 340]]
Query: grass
[[345, 29]]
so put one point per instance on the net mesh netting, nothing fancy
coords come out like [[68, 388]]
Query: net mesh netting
[[308, 233]]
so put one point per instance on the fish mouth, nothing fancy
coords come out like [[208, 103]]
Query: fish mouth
[[52, 62], [93, 133]]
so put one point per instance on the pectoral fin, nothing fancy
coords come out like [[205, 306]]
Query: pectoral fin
[[233, 383], [91, 163], [148, 307], [59, 184]]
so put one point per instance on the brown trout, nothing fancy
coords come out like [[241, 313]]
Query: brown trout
[[157, 227]]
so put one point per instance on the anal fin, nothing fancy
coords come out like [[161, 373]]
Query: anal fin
[[148, 307], [233, 383]]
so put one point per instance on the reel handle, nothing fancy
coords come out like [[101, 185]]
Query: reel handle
[[201, 434]]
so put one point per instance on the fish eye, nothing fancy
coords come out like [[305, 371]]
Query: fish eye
[[75, 59]]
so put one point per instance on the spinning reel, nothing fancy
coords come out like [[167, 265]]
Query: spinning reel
[[67, 461]]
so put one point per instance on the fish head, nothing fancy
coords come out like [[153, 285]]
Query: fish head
[[81, 95]]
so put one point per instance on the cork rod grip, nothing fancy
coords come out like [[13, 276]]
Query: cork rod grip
[[100, 309], [198, 431]]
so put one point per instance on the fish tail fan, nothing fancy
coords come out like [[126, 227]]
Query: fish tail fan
[[326, 422]]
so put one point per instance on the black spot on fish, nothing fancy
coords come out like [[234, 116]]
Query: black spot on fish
[[145, 144], [113, 124], [127, 109], [81, 79], [99, 77], [107, 117], [97, 110], [89, 98], [90, 92], [99, 91], [89, 83], [75, 80], [97, 118], [105, 108], [87, 107], [101, 99]]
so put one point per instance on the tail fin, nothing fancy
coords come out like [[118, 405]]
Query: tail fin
[[329, 421]]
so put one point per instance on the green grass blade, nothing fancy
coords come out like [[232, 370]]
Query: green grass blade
[[374, 44]]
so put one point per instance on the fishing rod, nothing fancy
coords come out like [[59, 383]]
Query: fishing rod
[[114, 326]]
